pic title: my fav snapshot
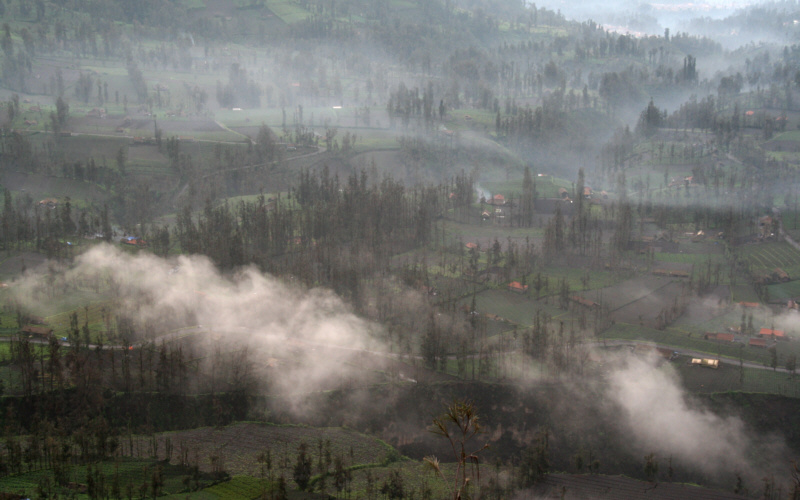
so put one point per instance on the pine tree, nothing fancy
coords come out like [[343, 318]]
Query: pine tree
[[302, 467]]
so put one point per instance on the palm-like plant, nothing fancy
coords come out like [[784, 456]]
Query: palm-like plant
[[459, 424]]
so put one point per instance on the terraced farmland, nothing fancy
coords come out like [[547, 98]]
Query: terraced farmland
[[765, 257]]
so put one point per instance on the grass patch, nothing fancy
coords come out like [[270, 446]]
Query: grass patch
[[744, 293], [511, 306], [288, 11], [784, 291], [729, 377], [239, 487], [131, 474], [488, 230], [546, 186], [679, 339]]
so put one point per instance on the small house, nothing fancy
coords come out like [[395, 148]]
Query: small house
[[50, 203], [584, 302], [758, 343], [720, 337], [780, 275], [498, 200], [134, 241], [516, 286], [775, 334], [96, 113], [37, 332]]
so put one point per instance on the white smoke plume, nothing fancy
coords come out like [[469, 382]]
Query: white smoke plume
[[662, 418], [312, 332]]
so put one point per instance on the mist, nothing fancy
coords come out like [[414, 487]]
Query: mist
[[646, 18], [661, 417], [313, 332]]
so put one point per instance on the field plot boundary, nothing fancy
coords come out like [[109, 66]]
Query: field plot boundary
[[287, 11]]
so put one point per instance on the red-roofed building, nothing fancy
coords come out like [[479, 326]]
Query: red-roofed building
[[758, 343], [134, 241], [749, 304], [722, 337], [584, 302], [498, 199], [778, 334], [516, 286], [471, 245]]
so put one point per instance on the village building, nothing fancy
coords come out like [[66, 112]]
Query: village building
[[498, 200], [775, 334], [133, 241], [516, 286], [584, 302], [96, 113], [50, 203], [780, 275], [758, 343], [765, 227], [721, 337], [37, 332]]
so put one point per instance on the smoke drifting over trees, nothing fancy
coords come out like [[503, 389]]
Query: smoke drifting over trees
[[579, 222]]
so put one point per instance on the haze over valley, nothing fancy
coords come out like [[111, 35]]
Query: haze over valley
[[400, 249]]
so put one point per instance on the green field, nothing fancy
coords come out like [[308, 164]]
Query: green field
[[486, 230], [784, 291], [510, 305], [237, 447], [239, 487], [685, 340], [131, 475], [765, 257], [744, 293], [546, 186], [241, 443], [729, 378], [287, 10]]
